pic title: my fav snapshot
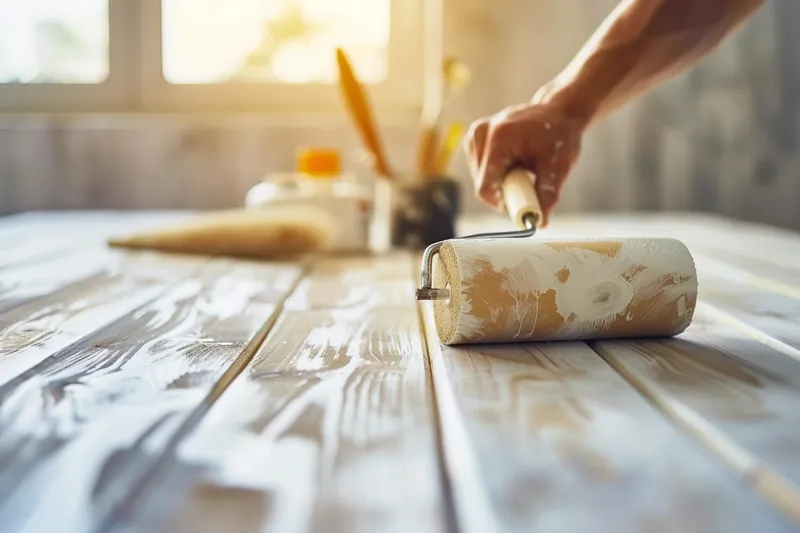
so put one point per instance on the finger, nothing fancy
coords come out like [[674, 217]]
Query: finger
[[494, 166], [554, 169], [549, 182], [473, 145]]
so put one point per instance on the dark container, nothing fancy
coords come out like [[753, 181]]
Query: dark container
[[418, 210]]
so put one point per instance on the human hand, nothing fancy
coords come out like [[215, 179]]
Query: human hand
[[539, 136]]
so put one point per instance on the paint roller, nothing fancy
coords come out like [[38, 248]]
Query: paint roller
[[509, 287]]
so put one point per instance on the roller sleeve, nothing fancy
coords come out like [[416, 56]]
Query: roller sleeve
[[520, 290]]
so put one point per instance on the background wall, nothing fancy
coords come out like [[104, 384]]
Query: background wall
[[722, 138]]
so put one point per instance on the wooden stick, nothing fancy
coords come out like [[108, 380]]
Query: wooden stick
[[361, 113]]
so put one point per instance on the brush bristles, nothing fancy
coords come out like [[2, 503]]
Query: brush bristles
[[246, 233]]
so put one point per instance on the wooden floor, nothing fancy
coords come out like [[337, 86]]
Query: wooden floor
[[154, 393]]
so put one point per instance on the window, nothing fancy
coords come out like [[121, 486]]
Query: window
[[62, 55], [54, 42], [218, 55], [282, 41]]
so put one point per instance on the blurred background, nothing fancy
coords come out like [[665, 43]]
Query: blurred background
[[186, 104]]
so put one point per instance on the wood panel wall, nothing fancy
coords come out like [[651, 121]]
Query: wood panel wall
[[722, 138]]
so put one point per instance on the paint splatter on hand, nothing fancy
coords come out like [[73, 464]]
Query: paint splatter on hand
[[537, 136]]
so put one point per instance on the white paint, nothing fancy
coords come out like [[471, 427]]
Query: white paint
[[596, 292]]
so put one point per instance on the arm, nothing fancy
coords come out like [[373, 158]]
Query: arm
[[640, 44]]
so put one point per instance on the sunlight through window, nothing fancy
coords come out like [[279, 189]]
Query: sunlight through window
[[54, 41], [273, 41]]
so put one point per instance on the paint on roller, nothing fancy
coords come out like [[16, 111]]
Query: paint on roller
[[517, 290]]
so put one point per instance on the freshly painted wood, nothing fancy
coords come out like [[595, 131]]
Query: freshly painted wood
[[555, 439], [330, 428], [35, 237], [758, 249], [79, 429], [768, 314], [360, 282], [736, 395], [30, 280], [45, 325], [12, 253], [136, 395]]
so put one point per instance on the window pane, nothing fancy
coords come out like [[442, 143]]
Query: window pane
[[53, 41], [273, 41]]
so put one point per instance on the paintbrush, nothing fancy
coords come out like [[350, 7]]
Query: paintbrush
[[456, 76], [275, 233], [361, 113], [449, 147]]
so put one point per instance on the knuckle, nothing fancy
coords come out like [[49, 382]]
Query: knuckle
[[486, 192], [482, 187], [502, 131], [476, 129]]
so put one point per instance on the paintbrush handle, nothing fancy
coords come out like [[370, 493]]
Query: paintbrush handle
[[521, 200], [449, 147], [361, 113], [426, 149]]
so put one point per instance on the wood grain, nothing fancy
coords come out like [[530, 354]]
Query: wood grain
[[550, 437], [24, 239], [766, 314], [328, 429], [80, 428], [31, 280], [735, 394], [119, 410], [30, 238], [42, 326]]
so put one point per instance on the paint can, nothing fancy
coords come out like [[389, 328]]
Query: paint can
[[413, 211]]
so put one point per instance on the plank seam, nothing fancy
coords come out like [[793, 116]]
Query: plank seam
[[111, 516], [464, 485], [754, 333], [451, 515], [734, 273], [75, 285], [779, 492]]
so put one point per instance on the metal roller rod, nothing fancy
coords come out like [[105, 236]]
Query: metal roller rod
[[427, 292]]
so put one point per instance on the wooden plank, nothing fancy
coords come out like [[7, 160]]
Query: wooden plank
[[330, 428], [34, 330], [19, 250], [41, 236], [736, 395], [755, 248], [80, 429], [31, 280], [547, 436], [762, 265], [31, 238], [767, 310]]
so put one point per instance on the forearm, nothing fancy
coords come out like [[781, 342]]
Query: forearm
[[642, 43]]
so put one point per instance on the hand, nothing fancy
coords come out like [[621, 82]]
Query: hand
[[537, 136]]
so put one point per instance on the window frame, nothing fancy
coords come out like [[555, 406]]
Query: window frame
[[136, 83]]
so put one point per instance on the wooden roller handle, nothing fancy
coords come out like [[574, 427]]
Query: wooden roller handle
[[519, 195]]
